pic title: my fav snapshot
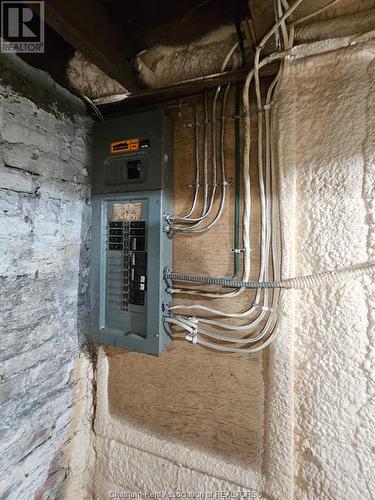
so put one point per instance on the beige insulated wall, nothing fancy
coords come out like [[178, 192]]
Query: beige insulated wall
[[326, 145], [297, 421]]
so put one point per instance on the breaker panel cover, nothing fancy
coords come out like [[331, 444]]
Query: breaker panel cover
[[132, 189]]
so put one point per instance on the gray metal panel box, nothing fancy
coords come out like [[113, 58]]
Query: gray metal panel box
[[153, 130], [132, 189]]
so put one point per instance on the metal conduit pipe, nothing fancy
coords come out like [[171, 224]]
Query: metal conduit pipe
[[308, 281]]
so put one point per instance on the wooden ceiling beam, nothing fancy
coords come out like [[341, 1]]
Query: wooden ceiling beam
[[90, 29], [145, 99]]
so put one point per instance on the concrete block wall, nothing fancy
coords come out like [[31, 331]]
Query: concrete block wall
[[45, 144]]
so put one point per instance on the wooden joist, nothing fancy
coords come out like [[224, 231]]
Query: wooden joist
[[164, 96], [88, 27]]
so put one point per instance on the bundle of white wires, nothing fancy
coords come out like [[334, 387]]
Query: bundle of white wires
[[188, 223], [260, 320]]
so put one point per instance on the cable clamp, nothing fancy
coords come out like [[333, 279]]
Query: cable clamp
[[192, 338], [266, 107], [165, 307], [260, 47], [262, 308], [225, 183], [169, 290], [194, 319], [239, 250], [168, 223], [193, 184], [166, 271], [266, 308]]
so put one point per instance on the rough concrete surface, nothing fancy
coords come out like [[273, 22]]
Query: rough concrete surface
[[44, 221]]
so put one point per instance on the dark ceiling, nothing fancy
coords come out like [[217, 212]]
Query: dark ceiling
[[112, 32], [167, 22]]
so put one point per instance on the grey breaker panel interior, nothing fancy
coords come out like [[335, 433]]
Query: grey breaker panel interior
[[132, 189]]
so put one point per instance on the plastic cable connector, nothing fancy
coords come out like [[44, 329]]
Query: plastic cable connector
[[194, 319], [262, 308], [266, 308], [165, 307], [239, 250], [264, 108], [192, 338], [167, 271]]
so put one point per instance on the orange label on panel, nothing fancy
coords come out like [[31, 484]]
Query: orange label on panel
[[125, 146]]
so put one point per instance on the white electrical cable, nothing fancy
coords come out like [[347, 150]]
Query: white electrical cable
[[221, 208], [198, 220], [196, 183], [316, 12], [247, 207], [265, 308], [169, 218], [247, 188], [192, 229], [93, 106], [224, 182], [266, 231], [255, 307], [302, 282]]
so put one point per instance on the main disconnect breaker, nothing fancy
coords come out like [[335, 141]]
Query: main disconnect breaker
[[132, 189]]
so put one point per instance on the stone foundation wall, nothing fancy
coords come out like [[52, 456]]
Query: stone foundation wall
[[45, 139]]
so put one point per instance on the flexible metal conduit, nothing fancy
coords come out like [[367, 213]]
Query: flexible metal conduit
[[248, 337], [308, 281]]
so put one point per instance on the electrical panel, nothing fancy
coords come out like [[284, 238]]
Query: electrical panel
[[132, 189]]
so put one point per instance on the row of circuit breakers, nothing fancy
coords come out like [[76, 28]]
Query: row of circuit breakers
[[132, 189]]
